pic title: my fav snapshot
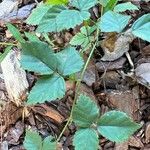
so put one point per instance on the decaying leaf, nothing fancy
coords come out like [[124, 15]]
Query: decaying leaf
[[142, 73], [115, 46]]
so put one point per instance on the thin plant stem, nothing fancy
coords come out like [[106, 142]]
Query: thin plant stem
[[78, 86], [8, 44]]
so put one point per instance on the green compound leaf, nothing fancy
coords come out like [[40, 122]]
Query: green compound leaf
[[15, 32], [141, 27], [38, 57], [70, 18], [48, 22], [85, 112], [113, 22], [37, 14], [70, 61], [84, 37], [83, 4], [116, 126], [125, 6], [48, 144], [57, 2], [86, 139], [47, 88], [33, 141]]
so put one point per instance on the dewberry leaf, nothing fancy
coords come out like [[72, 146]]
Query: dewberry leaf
[[70, 61], [116, 126], [86, 139], [141, 27], [48, 144], [33, 141], [70, 18], [48, 22], [85, 112], [38, 57], [83, 4], [125, 6], [37, 14], [113, 22], [47, 88]]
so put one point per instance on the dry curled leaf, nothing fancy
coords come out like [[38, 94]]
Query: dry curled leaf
[[115, 46]]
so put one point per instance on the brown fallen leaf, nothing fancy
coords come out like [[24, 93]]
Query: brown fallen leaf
[[114, 46]]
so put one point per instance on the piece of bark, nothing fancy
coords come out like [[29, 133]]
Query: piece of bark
[[135, 142], [126, 101], [147, 133], [121, 146], [14, 77], [49, 112], [110, 65]]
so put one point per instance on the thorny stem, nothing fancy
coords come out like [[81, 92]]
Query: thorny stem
[[78, 86]]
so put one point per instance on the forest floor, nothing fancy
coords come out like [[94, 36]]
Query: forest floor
[[113, 84]]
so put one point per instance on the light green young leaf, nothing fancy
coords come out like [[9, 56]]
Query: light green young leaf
[[70, 18], [86, 139], [47, 88], [83, 5], [84, 37], [48, 23], [70, 61], [38, 57], [57, 2], [37, 14], [15, 32], [48, 144], [33, 141], [116, 126], [141, 27], [113, 22], [85, 112], [110, 5], [125, 6]]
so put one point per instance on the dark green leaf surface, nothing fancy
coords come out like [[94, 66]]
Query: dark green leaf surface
[[83, 4], [70, 18], [141, 27], [85, 112], [48, 22], [48, 144], [33, 141], [38, 57], [47, 88], [70, 61], [86, 139], [37, 14], [113, 22], [110, 5], [125, 6], [116, 126]]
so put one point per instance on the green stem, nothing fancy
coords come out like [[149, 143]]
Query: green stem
[[8, 44], [78, 86]]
